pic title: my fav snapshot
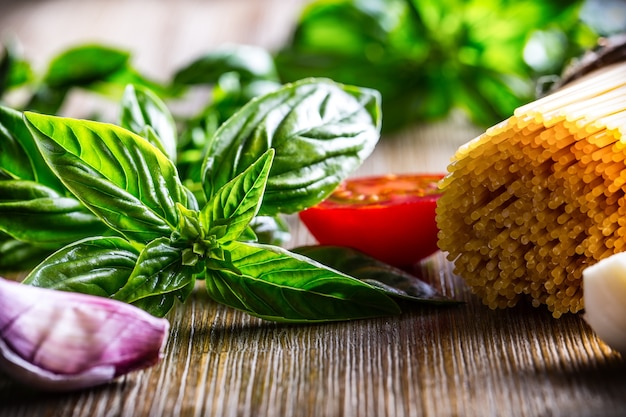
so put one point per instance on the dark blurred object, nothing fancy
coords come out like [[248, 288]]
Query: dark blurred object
[[610, 50]]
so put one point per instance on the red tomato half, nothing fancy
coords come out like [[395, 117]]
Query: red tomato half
[[391, 217]]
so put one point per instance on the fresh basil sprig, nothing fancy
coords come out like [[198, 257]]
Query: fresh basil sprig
[[281, 152]]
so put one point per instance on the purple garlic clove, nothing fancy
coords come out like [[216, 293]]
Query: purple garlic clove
[[59, 341]]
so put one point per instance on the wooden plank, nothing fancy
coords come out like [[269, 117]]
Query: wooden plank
[[464, 360]]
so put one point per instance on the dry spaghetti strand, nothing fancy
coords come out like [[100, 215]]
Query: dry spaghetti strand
[[540, 196]]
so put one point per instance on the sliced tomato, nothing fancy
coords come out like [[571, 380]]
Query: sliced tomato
[[390, 217]]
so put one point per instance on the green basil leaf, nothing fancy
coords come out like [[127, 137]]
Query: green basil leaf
[[19, 155], [321, 132], [13, 159], [273, 230], [117, 174], [231, 93], [6, 62], [393, 281], [112, 267], [142, 108], [232, 208], [159, 270], [79, 66], [115, 84], [34, 213], [14, 69], [275, 284], [47, 100], [250, 62], [98, 266], [84, 64], [159, 305], [18, 255]]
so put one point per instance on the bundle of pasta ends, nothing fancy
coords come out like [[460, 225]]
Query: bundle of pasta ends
[[539, 197]]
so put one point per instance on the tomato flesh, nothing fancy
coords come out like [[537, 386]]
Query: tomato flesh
[[391, 217]]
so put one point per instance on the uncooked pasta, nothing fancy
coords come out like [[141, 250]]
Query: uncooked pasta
[[540, 196]]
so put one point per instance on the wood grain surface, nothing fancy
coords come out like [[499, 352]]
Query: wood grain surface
[[431, 361]]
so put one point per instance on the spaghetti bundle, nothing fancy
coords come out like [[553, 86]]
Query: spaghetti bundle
[[542, 195]]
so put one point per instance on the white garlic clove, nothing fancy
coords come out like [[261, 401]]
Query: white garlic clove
[[604, 294]]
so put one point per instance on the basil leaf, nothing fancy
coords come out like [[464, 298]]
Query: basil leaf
[[97, 266], [19, 155], [13, 159], [113, 267], [273, 230], [47, 100], [80, 66], [34, 213], [321, 132], [275, 284], [14, 70], [118, 175], [159, 270], [250, 62], [84, 64], [231, 93], [6, 62], [18, 255], [142, 108], [393, 281], [159, 305], [232, 208]]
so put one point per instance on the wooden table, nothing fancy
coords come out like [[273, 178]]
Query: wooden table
[[457, 361]]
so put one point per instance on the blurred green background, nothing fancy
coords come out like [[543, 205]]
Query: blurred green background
[[482, 58]]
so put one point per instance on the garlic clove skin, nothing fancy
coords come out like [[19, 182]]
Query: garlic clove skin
[[604, 295], [31, 375], [59, 341]]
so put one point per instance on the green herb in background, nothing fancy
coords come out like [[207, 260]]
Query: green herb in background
[[426, 58], [429, 57], [15, 71], [98, 68]]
